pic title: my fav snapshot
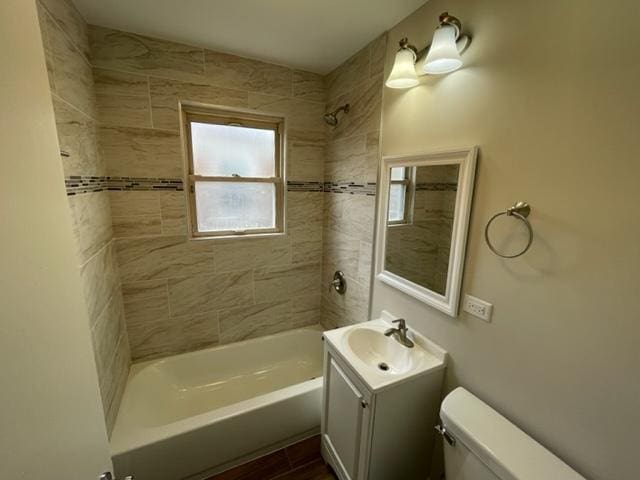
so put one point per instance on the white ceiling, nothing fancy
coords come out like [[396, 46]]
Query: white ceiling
[[314, 35]]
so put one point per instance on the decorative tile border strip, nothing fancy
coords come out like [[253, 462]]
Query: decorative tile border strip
[[302, 186], [140, 183], [352, 188], [77, 185], [437, 187]]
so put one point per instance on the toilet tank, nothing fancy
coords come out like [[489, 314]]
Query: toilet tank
[[486, 446]]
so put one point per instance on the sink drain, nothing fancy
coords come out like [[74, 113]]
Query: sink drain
[[383, 366]]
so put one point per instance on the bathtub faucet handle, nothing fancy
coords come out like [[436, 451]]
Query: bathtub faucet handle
[[339, 283]]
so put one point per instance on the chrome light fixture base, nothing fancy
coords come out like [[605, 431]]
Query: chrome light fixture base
[[446, 19], [462, 40], [405, 45]]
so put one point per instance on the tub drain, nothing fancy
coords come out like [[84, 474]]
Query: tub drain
[[383, 366]]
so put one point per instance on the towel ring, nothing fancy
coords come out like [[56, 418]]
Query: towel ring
[[520, 210]]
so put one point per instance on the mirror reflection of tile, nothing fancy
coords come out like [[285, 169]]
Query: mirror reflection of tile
[[418, 249]]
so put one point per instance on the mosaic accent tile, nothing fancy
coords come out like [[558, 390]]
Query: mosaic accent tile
[[294, 186], [86, 184], [437, 187], [364, 188], [77, 184], [136, 183]]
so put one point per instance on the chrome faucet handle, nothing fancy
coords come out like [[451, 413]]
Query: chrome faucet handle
[[339, 283], [400, 333], [401, 328], [402, 323]]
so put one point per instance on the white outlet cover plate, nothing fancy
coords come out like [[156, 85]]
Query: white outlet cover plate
[[477, 308]]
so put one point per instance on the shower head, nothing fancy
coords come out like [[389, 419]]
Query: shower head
[[332, 117]]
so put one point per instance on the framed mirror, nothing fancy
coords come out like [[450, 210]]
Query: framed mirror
[[423, 215]]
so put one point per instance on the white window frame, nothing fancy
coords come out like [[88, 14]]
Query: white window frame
[[222, 116]]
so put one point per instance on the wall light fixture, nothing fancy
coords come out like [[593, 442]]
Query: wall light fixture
[[442, 56]]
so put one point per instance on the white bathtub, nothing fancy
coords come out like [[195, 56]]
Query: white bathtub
[[196, 414]]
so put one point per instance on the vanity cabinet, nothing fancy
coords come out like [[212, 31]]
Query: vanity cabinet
[[371, 433], [347, 418]]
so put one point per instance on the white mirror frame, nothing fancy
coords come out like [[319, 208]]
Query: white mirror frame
[[466, 159]]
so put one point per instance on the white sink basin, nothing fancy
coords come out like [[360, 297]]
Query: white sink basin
[[382, 353], [380, 360]]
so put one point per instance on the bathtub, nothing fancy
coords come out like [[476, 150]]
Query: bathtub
[[193, 415]]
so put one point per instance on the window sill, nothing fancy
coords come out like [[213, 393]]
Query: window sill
[[227, 238]]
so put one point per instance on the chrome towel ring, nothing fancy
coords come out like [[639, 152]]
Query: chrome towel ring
[[520, 210]]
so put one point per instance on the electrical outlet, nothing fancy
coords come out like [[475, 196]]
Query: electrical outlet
[[478, 308]]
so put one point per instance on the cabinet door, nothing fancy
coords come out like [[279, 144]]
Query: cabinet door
[[344, 417]]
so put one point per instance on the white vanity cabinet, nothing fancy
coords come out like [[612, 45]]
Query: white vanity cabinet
[[347, 408], [378, 427]]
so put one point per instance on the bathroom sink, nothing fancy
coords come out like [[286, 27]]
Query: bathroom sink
[[383, 353], [380, 360]]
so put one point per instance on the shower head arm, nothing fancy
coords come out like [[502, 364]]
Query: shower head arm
[[344, 108]]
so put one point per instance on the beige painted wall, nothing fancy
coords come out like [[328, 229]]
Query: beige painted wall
[[51, 420], [550, 95]]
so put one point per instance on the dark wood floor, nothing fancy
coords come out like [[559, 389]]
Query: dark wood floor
[[301, 461]]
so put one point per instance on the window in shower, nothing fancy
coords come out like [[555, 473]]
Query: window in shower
[[235, 181], [400, 195]]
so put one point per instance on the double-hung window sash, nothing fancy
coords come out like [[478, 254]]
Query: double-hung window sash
[[235, 179]]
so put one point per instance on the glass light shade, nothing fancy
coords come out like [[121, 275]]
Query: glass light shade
[[443, 56], [403, 73]]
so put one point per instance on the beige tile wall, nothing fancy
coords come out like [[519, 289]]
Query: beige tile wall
[[352, 156], [66, 45], [116, 97], [180, 295]]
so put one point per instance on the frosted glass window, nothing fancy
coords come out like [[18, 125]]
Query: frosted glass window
[[235, 206], [226, 150], [398, 173], [397, 198], [236, 182]]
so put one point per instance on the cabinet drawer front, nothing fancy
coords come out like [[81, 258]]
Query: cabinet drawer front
[[344, 418]]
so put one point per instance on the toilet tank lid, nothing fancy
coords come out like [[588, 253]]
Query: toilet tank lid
[[509, 452]]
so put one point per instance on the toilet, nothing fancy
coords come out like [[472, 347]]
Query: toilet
[[480, 444]]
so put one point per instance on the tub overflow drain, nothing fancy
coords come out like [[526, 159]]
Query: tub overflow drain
[[383, 366]]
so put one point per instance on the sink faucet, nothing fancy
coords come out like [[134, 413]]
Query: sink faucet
[[400, 333]]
